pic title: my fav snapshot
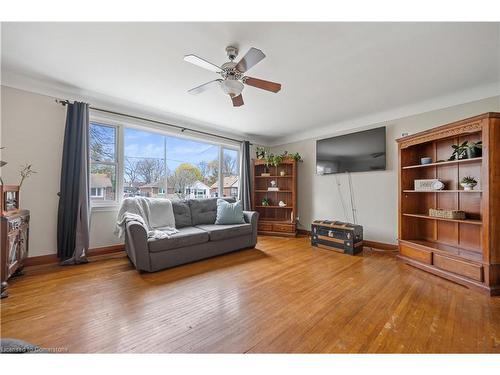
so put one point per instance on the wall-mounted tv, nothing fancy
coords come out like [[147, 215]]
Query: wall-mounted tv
[[355, 152]]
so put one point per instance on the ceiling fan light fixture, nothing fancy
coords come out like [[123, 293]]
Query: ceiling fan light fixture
[[232, 87]]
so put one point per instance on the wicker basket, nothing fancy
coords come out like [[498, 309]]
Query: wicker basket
[[447, 214]]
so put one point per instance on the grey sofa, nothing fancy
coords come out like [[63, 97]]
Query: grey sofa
[[198, 236]]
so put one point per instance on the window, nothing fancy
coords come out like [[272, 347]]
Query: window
[[193, 167], [144, 163], [158, 165], [96, 193], [103, 162], [230, 167]]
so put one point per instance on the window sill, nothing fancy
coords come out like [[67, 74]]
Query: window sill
[[108, 207]]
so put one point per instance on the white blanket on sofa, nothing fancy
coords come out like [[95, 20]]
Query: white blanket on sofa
[[156, 214]]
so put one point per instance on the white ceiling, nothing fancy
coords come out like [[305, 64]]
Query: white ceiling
[[330, 72]]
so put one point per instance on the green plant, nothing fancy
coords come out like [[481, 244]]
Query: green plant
[[469, 180], [297, 157], [459, 151], [268, 158], [266, 202], [277, 160], [475, 144], [261, 152]]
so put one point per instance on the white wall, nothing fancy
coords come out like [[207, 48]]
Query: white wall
[[32, 131], [375, 193]]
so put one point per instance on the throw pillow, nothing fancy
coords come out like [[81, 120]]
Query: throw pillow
[[229, 213]]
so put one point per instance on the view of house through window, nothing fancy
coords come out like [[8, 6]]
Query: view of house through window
[[230, 165], [157, 165], [103, 162]]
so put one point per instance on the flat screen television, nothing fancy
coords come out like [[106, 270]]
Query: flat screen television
[[355, 152]]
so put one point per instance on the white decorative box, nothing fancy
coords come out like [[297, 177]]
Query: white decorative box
[[428, 185]]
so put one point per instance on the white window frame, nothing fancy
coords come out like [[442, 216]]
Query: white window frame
[[120, 123], [221, 177], [100, 189], [107, 204]]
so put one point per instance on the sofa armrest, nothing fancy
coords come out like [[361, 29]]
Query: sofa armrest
[[252, 217], [136, 245]]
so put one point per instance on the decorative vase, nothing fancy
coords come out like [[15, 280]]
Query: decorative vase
[[282, 173], [474, 152], [468, 186]]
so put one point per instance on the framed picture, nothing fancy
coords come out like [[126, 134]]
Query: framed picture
[[9, 199]]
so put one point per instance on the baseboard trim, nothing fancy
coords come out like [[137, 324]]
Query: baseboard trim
[[368, 243], [380, 245], [53, 259]]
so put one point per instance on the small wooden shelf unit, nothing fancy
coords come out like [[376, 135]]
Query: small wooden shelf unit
[[464, 251], [273, 219]]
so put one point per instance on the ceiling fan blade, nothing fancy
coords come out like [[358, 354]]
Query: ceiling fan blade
[[261, 84], [237, 101], [202, 63], [201, 88], [252, 57]]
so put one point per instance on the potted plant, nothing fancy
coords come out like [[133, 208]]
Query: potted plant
[[260, 153], [266, 201], [468, 183], [459, 151], [297, 157], [277, 160], [474, 149]]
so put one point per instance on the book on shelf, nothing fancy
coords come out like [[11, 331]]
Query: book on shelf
[[273, 189]]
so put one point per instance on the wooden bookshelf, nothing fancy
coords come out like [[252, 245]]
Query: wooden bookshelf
[[273, 219], [465, 251], [443, 191]]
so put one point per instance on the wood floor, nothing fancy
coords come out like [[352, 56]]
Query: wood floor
[[282, 296]]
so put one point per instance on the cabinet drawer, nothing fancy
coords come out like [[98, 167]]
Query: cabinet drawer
[[265, 227], [284, 228], [472, 271], [417, 254]]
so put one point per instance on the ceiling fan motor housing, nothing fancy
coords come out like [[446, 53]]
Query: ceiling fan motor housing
[[232, 52], [229, 71]]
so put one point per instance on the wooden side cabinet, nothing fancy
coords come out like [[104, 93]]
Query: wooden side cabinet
[[14, 245]]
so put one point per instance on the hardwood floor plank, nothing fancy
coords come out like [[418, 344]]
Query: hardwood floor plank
[[283, 296]]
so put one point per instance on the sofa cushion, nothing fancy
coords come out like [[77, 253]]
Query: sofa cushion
[[187, 236], [204, 211], [229, 213], [222, 232], [182, 213]]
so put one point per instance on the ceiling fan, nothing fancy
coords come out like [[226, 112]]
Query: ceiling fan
[[233, 80]]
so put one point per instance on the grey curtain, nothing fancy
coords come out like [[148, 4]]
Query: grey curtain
[[73, 219], [245, 177]]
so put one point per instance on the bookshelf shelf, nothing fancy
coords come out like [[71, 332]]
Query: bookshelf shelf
[[464, 221], [445, 163]]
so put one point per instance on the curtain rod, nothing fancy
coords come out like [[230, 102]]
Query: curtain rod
[[181, 128]]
